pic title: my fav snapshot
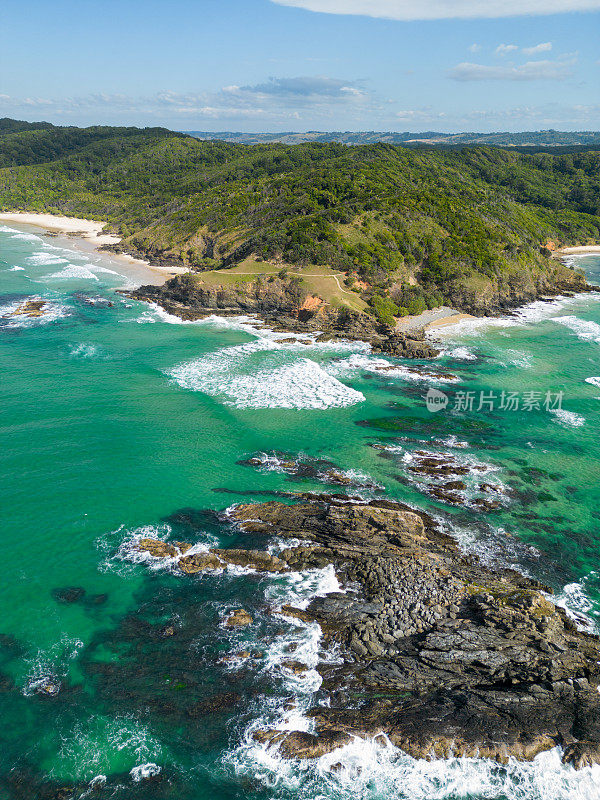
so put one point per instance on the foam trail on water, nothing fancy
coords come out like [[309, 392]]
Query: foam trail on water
[[568, 418], [578, 605], [45, 259], [90, 747], [28, 237], [72, 271], [380, 366], [584, 329], [459, 353]]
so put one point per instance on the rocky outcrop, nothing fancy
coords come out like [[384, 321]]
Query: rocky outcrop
[[239, 619], [412, 344], [30, 308], [442, 654], [495, 296], [281, 303], [210, 559]]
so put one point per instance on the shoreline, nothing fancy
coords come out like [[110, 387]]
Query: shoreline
[[580, 250], [77, 229]]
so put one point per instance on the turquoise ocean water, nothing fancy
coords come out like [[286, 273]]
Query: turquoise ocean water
[[117, 678]]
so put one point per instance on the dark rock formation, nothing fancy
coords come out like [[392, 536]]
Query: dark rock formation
[[441, 653]]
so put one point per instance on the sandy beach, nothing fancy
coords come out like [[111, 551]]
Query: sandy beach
[[444, 322], [90, 232], [431, 319], [591, 249]]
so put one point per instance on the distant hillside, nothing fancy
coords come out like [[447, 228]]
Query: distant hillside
[[549, 138], [468, 224]]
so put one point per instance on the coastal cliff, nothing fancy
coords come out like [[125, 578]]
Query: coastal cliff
[[442, 654], [284, 306]]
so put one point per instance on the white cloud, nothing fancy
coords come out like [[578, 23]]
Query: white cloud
[[530, 71], [542, 47], [505, 49], [275, 99], [475, 48], [442, 9]]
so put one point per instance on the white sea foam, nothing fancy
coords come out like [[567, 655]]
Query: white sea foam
[[44, 258], [376, 770], [29, 237], [72, 272], [380, 366], [459, 353], [568, 418], [243, 380], [84, 350], [90, 747], [518, 358], [103, 270], [145, 771], [594, 381], [121, 549], [6, 229], [534, 312], [452, 441], [584, 329], [48, 668], [475, 327], [578, 605], [50, 313], [17, 269]]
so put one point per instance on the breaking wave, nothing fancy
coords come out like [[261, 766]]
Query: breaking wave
[[72, 271], [242, 379], [568, 418], [584, 329]]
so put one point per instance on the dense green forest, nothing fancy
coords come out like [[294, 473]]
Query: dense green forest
[[435, 217]]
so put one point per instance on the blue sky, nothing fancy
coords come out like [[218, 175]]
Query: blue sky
[[282, 65]]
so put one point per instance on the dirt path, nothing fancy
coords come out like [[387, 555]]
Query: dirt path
[[301, 274]]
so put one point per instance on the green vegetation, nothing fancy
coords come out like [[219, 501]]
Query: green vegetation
[[473, 217], [384, 309]]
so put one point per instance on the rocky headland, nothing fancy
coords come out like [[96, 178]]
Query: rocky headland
[[281, 305], [444, 655]]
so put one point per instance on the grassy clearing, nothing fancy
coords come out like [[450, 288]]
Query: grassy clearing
[[316, 279]]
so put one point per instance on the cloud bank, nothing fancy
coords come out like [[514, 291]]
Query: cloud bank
[[275, 100], [442, 9], [530, 71]]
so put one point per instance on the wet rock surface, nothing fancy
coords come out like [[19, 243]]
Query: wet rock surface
[[300, 468], [442, 654], [449, 478], [30, 308]]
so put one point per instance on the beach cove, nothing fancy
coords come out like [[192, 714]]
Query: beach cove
[[121, 423]]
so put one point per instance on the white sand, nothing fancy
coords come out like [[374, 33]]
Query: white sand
[[86, 228], [582, 250], [92, 231], [446, 321]]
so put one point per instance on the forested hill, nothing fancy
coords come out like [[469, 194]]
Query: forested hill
[[476, 218]]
